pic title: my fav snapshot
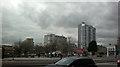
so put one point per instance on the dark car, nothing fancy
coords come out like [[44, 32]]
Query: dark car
[[74, 62], [99, 55], [118, 63]]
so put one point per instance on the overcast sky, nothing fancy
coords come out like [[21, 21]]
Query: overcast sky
[[35, 19]]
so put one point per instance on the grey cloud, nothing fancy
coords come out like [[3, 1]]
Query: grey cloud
[[43, 19], [15, 26], [29, 19], [107, 34]]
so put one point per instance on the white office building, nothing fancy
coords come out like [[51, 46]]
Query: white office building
[[111, 50], [86, 34], [52, 38]]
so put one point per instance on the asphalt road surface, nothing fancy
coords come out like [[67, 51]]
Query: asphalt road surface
[[40, 62], [107, 64], [99, 65]]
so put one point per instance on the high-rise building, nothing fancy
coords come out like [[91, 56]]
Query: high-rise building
[[86, 34]]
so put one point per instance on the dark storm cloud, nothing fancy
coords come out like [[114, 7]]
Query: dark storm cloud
[[37, 19], [92, 13]]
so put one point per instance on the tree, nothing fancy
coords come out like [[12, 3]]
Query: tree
[[39, 49], [68, 47], [3, 51], [71, 45], [17, 48], [27, 46], [50, 48], [92, 47]]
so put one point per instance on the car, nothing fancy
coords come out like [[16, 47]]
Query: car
[[99, 55], [118, 63], [74, 62]]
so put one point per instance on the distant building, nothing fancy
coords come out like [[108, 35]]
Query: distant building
[[54, 39], [86, 34], [111, 50], [101, 49], [8, 50], [30, 41], [27, 45]]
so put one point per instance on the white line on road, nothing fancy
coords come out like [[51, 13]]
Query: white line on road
[[106, 63]]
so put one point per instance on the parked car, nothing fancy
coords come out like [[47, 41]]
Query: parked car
[[118, 63], [32, 55], [99, 55], [74, 62]]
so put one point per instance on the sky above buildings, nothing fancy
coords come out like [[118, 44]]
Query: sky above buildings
[[21, 19]]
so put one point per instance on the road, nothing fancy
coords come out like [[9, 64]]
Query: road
[[36, 64], [107, 64], [40, 62], [99, 65]]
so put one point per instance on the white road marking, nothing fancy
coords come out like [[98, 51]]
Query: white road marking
[[106, 63]]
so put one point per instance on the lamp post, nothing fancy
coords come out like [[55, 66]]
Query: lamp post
[[13, 53], [107, 51]]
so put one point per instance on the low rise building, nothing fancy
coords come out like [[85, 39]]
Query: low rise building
[[27, 45], [55, 42], [111, 50], [102, 50], [8, 50], [54, 39]]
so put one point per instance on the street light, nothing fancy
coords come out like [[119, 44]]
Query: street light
[[13, 53]]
